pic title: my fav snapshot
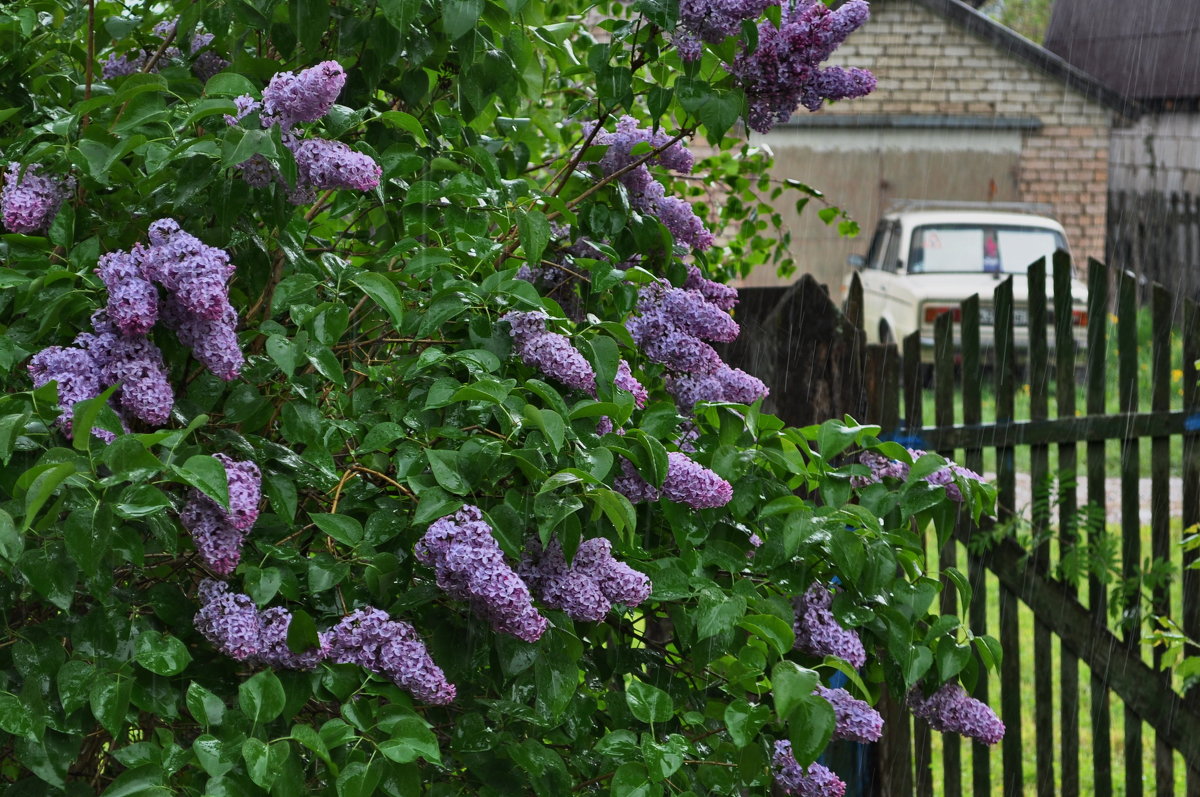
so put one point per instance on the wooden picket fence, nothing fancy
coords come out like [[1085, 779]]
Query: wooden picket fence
[[1071, 625], [1156, 235]]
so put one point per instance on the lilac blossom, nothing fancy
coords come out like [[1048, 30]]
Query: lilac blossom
[[135, 363], [207, 63], [662, 342], [470, 566], [620, 143], [549, 352], [196, 275], [273, 650], [229, 620], [122, 65], [819, 634], [688, 310], [245, 105], [723, 296], [725, 384], [856, 720], [323, 165], [631, 484], [627, 381], [213, 341], [302, 97], [713, 21], [951, 710], [245, 491], [783, 71], [78, 377], [132, 299], [693, 484], [587, 588], [217, 541], [30, 200], [947, 476], [372, 640], [791, 778]]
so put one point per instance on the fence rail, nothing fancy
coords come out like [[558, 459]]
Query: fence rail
[[1069, 624]]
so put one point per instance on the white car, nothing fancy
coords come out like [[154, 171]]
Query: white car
[[926, 258]]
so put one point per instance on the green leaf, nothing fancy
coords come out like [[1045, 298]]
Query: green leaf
[[717, 614], [384, 292], [285, 353], [109, 699], [550, 423], [310, 18], [402, 120], [302, 632], [716, 109], [207, 708], [43, 486], [12, 542], [263, 761], [648, 703], [400, 13], [262, 697], [342, 528], [229, 84], [161, 654], [459, 16], [445, 468], [51, 573], [207, 475], [771, 629], [215, 758], [411, 739], [915, 665], [810, 728], [381, 436], [534, 232], [15, 717], [74, 680], [744, 720], [951, 658], [631, 780], [143, 781], [790, 685]]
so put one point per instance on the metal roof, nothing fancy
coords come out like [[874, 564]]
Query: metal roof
[[1040, 57], [1142, 49]]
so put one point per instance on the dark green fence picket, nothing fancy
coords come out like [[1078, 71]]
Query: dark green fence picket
[[1064, 361], [1160, 497], [1097, 381], [1191, 495], [943, 415], [1006, 482], [1131, 527]]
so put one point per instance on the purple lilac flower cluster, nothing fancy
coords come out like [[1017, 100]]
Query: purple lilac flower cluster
[[470, 566], [367, 637], [884, 468], [687, 482], [29, 200], [392, 648], [783, 71], [818, 633], [588, 587], [856, 720], [791, 778], [290, 99], [951, 710], [205, 62], [625, 380], [102, 358], [235, 627], [196, 279], [217, 533], [713, 21], [549, 352], [645, 193]]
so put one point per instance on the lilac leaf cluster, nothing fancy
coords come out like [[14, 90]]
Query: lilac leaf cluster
[[30, 199], [783, 72], [587, 588], [687, 482], [549, 352], [470, 566], [219, 533], [305, 96], [645, 193], [791, 778], [819, 634], [951, 710], [368, 638], [855, 719]]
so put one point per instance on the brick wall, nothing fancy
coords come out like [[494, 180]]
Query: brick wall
[[926, 64]]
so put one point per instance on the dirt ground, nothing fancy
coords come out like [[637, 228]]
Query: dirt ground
[[1112, 491]]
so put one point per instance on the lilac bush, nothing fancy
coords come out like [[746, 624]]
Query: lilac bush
[[30, 199]]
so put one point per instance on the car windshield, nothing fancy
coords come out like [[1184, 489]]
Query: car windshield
[[975, 248]]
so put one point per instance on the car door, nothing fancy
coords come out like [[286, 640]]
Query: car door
[[874, 280]]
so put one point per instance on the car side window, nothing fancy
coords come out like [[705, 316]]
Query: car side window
[[891, 256], [875, 251]]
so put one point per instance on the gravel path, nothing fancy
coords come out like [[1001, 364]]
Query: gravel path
[[1112, 491]]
